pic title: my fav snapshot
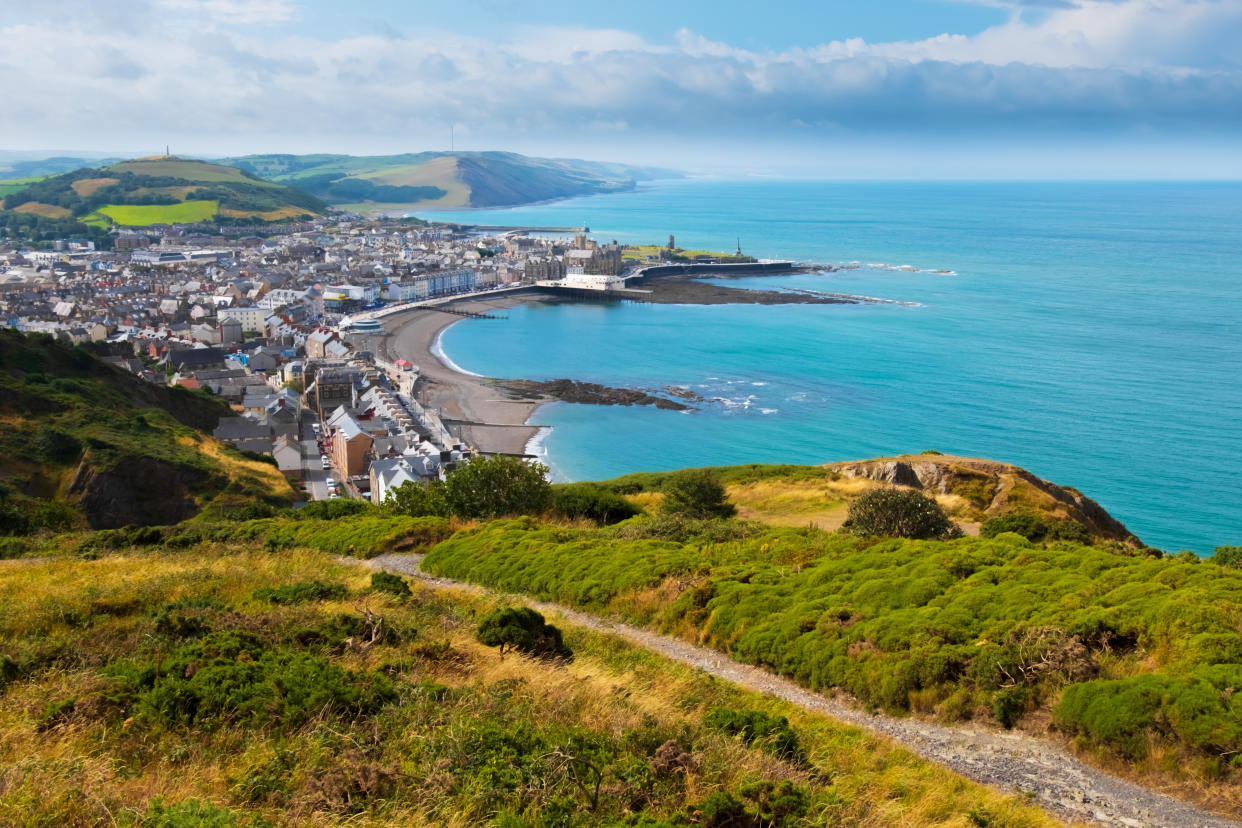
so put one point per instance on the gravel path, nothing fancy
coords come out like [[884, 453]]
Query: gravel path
[[1009, 761]]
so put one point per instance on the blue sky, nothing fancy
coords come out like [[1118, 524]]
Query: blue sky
[[905, 89]]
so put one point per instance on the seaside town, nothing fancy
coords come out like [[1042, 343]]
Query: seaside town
[[284, 327]]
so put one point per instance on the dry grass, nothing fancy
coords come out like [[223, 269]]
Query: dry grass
[[439, 172], [269, 215], [86, 187]]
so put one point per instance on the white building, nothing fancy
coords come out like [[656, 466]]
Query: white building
[[250, 319]]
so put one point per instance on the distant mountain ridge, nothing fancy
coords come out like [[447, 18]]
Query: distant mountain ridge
[[430, 180]]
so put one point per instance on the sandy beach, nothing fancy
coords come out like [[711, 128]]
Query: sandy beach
[[461, 397]]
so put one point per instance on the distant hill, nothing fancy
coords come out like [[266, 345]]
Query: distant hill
[[431, 180], [146, 191], [84, 443]]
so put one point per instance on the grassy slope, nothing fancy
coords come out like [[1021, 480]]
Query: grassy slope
[[425, 727], [1134, 657], [188, 169], [63, 410]]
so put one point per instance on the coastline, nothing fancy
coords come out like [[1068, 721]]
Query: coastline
[[493, 418], [495, 425]]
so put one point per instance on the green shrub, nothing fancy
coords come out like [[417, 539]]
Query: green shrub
[[1009, 704], [899, 513], [392, 584], [333, 509], [196, 813], [772, 733], [696, 493], [587, 500], [1227, 556], [301, 592], [233, 677], [488, 487], [418, 499], [188, 617], [523, 630], [1028, 525], [13, 548], [1126, 713]]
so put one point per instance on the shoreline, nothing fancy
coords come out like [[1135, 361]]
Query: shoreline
[[492, 424], [484, 413]]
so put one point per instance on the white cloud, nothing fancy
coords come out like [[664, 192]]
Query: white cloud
[[1130, 66], [233, 11]]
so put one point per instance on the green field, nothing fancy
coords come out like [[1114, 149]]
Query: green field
[[16, 185], [142, 215]]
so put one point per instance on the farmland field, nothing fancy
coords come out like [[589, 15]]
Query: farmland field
[[142, 215], [45, 210], [16, 185]]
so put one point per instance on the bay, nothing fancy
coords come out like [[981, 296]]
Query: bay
[[1090, 333]]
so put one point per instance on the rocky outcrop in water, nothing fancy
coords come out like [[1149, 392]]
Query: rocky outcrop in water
[[572, 391]]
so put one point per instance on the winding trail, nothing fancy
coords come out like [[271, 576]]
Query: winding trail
[[1012, 762]]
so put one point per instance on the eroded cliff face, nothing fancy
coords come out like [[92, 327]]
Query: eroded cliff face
[[137, 491], [989, 488]]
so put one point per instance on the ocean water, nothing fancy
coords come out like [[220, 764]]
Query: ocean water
[[1092, 333]]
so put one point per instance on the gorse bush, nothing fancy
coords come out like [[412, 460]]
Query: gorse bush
[[523, 630], [586, 500], [333, 509], [301, 592], [392, 584], [772, 733], [899, 513], [234, 677], [1036, 529]]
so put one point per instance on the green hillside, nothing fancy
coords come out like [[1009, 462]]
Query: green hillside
[[1129, 656], [84, 444], [231, 683], [146, 191], [443, 179]]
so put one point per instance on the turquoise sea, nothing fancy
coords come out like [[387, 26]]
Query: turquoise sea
[[1092, 334]]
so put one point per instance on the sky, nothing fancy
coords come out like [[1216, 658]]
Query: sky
[[896, 89]]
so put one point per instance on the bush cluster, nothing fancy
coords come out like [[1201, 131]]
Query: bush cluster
[[485, 487], [524, 630], [1036, 529], [899, 513]]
